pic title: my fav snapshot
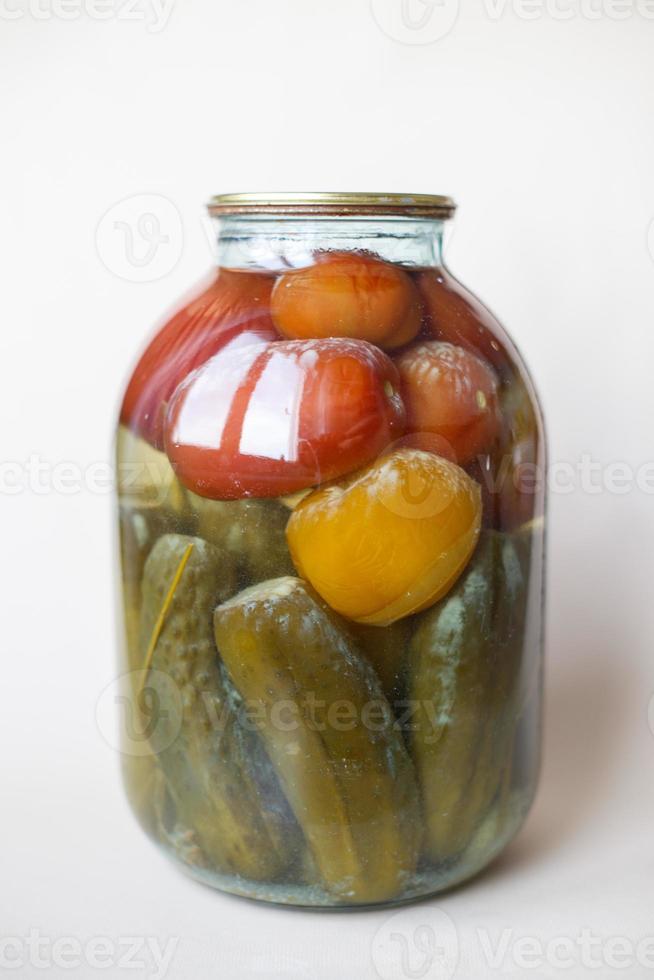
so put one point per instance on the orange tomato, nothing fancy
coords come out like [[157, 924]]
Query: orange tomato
[[348, 295], [451, 393], [389, 541]]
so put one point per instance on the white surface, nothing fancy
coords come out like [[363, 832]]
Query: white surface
[[541, 128]]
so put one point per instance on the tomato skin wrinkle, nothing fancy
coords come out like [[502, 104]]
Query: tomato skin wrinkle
[[290, 415]]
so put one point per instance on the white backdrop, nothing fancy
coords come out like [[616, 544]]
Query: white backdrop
[[538, 119]]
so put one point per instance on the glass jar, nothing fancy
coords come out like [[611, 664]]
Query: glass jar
[[331, 516]]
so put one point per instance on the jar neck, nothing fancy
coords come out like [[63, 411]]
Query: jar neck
[[278, 243]]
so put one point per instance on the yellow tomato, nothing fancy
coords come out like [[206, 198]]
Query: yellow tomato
[[390, 540]]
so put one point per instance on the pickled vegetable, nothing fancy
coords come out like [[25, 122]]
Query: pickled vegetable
[[389, 541], [147, 790], [454, 315], [519, 463], [232, 311], [463, 669], [323, 460], [330, 734], [264, 421], [138, 531], [152, 502], [348, 295], [252, 531], [494, 765], [385, 648], [145, 478], [450, 393], [209, 762]]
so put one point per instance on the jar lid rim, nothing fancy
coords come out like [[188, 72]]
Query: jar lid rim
[[334, 203]]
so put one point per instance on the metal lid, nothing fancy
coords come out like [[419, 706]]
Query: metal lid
[[404, 205]]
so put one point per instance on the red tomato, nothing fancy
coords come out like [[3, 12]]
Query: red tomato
[[268, 420], [348, 295], [453, 314], [233, 310], [519, 459], [451, 393], [511, 478]]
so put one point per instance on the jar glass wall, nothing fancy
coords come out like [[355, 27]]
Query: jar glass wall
[[331, 514]]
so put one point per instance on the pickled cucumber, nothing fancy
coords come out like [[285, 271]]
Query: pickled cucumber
[[145, 788], [145, 477], [464, 664], [511, 659], [152, 502], [139, 528], [251, 530], [330, 734], [209, 763], [385, 648]]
